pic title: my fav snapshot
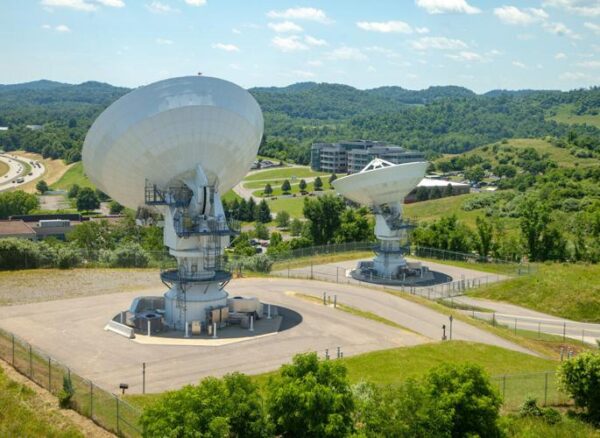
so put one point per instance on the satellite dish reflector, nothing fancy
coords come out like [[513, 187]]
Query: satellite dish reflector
[[161, 132], [381, 182]]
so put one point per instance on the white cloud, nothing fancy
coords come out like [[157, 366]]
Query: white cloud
[[445, 6], [346, 53], [589, 8], [236, 31], [312, 41], [311, 14], [157, 7], [570, 76], [226, 47], [285, 26], [560, 55], [421, 30], [79, 5], [593, 27], [561, 30], [519, 64], [196, 2], [315, 63], [385, 26], [288, 44], [60, 28], [112, 3], [163, 41], [303, 74], [466, 56], [439, 43], [522, 17], [589, 64]]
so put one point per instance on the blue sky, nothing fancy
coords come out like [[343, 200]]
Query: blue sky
[[480, 44]]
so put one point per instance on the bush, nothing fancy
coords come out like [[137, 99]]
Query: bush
[[465, 391], [25, 254], [17, 202], [67, 257], [529, 408], [255, 263], [115, 207], [580, 378], [66, 393], [129, 256]]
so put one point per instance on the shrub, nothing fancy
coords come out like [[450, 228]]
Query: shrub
[[131, 255], [66, 393], [580, 378], [115, 207], [67, 257], [25, 254], [256, 263], [466, 392]]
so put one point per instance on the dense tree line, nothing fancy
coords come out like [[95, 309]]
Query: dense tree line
[[435, 120]]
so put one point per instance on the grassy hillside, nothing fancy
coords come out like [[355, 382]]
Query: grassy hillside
[[565, 290], [285, 172], [3, 168], [25, 414], [565, 114], [561, 156], [75, 175]]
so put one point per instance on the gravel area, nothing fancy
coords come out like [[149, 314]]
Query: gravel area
[[28, 286]]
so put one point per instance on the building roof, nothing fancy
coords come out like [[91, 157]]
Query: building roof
[[430, 182], [15, 228]]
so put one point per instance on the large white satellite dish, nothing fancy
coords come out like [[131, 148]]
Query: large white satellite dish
[[162, 131]]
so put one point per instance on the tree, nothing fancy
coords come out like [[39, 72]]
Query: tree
[[73, 191], [261, 231], [485, 234], [436, 193], [354, 226], [286, 187], [475, 174], [580, 378], [323, 214], [129, 255], [115, 207], [311, 398], [241, 245], [263, 212], [302, 186], [228, 407], [449, 190], [17, 203], [92, 235], [296, 227], [466, 392], [318, 184], [422, 193], [87, 200], [332, 178], [283, 219], [42, 186], [268, 190]]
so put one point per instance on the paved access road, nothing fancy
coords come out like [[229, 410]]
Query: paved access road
[[527, 319], [71, 331], [17, 169]]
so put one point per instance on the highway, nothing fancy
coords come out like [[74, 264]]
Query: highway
[[17, 169]]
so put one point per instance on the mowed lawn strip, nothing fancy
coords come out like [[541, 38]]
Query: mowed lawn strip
[[569, 291]]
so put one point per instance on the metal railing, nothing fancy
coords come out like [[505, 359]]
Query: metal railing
[[104, 408]]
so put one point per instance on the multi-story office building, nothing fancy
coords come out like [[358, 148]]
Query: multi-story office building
[[353, 156]]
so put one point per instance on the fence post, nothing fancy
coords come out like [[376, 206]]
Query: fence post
[[118, 425], [50, 374], [91, 400], [515, 326], [564, 331], [144, 374], [545, 388], [30, 363], [13, 350], [311, 270], [504, 386]]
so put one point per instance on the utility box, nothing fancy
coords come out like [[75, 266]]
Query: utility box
[[196, 328]]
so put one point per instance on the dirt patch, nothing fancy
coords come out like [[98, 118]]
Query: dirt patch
[[48, 404], [53, 170], [27, 286]]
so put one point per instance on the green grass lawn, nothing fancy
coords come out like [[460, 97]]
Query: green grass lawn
[[564, 114], [532, 427], [292, 205], [566, 290], [231, 196], [75, 175], [285, 173], [24, 414], [295, 189]]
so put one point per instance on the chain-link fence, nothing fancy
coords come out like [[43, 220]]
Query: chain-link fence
[[106, 409], [516, 388]]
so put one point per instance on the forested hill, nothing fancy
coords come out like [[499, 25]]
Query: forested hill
[[436, 120]]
